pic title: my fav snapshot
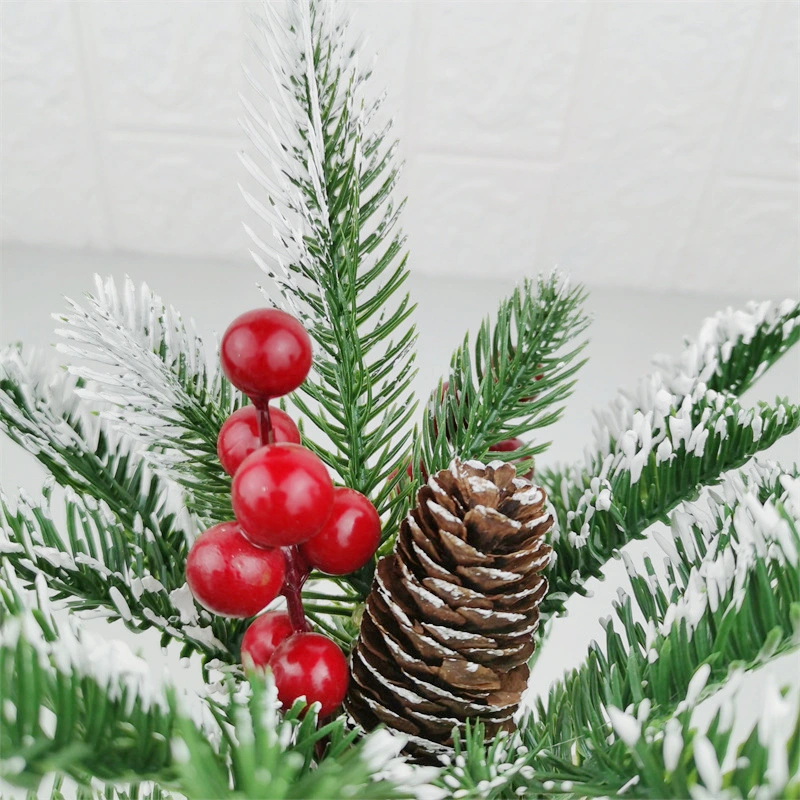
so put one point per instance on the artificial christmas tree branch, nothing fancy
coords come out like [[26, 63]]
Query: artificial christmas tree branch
[[339, 259], [136, 791], [686, 760], [99, 568], [126, 536], [644, 462], [661, 461], [732, 350], [79, 705], [514, 379], [91, 710], [155, 381]]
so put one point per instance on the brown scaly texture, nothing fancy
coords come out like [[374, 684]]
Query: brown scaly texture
[[449, 623]]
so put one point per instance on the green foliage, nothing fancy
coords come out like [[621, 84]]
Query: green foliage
[[602, 509], [80, 707], [735, 348], [513, 381], [101, 565], [151, 373], [73, 705], [340, 265], [41, 410], [730, 601], [135, 791], [731, 351], [265, 755], [123, 543]]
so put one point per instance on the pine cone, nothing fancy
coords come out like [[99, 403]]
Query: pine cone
[[448, 626]]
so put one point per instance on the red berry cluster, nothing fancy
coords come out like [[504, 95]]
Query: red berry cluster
[[290, 518]]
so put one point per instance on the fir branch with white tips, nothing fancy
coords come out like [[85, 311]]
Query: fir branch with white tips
[[122, 546], [661, 461], [674, 641], [328, 179], [92, 710], [156, 382], [73, 702], [42, 411], [129, 434], [674, 434], [146, 790], [101, 568], [265, 753], [734, 348]]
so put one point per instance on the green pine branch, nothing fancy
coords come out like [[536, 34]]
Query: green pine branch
[[99, 566], [155, 380], [82, 707], [513, 381], [264, 754], [678, 762], [72, 705], [135, 791], [730, 600], [340, 262], [679, 431], [123, 542], [736, 347], [599, 511]]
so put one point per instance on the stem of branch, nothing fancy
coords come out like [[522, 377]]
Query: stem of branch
[[297, 570]]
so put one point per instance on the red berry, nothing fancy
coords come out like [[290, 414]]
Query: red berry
[[263, 636], [229, 575], [266, 353], [506, 446], [239, 436], [349, 538], [310, 665], [282, 495]]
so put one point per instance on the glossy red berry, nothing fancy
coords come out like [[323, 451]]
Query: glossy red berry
[[506, 446], [310, 665], [282, 495], [239, 436], [266, 353], [262, 638], [231, 576], [348, 539]]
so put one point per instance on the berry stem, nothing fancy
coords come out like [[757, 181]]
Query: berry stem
[[296, 575], [296, 569], [264, 422]]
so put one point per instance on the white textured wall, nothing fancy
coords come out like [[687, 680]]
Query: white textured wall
[[642, 144]]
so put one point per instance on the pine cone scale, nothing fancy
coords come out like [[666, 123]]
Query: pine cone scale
[[449, 624]]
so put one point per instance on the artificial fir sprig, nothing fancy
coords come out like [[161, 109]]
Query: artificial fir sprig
[[679, 430], [73, 703], [89, 709], [135, 791], [124, 539], [155, 380], [338, 258], [514, 379], [101, 567], [661, 461], [734, 348]]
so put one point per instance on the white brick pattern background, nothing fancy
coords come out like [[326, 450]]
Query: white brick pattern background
[[643, 144]]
